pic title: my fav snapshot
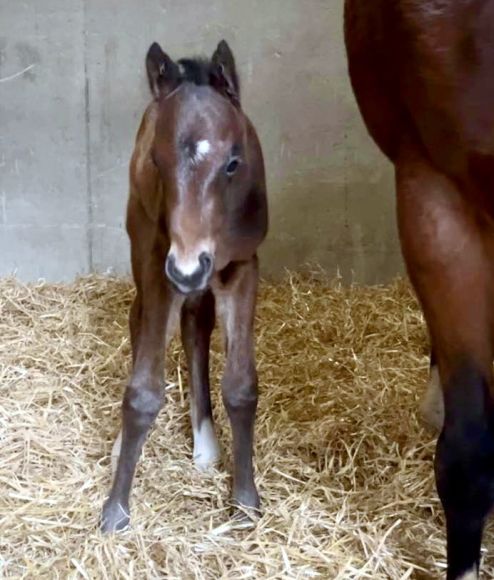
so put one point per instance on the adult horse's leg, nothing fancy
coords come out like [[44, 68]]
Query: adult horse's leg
[[236, 307], [447, 262], [144, 394], [197, 324]]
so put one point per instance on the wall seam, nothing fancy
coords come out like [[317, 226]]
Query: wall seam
[[87, 112]]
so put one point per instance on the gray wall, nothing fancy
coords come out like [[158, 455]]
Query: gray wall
[[68, 122]]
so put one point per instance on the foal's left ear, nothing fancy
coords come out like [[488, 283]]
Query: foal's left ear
[[224, 75], [163, 73]]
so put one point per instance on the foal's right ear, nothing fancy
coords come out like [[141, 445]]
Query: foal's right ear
[[224, 77], [162, 72]]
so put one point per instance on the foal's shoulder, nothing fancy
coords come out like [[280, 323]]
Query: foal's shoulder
[[148, 122], [143, 172]]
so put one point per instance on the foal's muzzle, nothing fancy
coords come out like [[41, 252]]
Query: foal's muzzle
[[194, 281]]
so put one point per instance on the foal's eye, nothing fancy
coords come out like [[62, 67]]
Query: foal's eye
[[232, 166]]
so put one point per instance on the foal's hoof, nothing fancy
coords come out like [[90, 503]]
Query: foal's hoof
[[247, 506], [245, 517], [115, 517]]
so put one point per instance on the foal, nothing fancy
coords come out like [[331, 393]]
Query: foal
[[196, 214], [422, 72]]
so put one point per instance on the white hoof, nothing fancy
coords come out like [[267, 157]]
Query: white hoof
[[115, 452], [206, 447], [432, 405]]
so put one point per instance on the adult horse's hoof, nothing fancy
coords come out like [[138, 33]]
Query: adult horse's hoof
[[115, 517]]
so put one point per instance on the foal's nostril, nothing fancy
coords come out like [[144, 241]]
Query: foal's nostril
[[206, 261], [170, 269]]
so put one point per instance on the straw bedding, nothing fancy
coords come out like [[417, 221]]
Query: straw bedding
[[344, 466]]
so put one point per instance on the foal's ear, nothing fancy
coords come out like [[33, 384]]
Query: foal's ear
[[224, 75], [162, 72]]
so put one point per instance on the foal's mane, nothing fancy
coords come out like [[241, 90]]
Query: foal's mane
[[202, 71], [196, 70]]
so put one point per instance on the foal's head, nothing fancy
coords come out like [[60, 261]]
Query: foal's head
[[210, 163]]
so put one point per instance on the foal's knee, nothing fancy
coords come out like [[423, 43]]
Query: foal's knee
[[240, 390], [142, 402]]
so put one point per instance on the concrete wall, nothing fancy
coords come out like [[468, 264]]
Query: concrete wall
[[68, 122]]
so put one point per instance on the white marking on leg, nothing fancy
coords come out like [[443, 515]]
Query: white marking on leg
[[470, 575], [206, 447], [432, 405], [115, 452]]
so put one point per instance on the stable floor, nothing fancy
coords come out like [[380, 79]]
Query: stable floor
[[344, 466]]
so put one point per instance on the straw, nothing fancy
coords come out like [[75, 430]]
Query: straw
[[344, 467]]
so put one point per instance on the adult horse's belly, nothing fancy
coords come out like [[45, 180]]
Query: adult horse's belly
[[446, 72], [369, 45], [425, 68]]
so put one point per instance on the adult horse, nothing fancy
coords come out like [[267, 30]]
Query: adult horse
[[423, 75], [196, 214]]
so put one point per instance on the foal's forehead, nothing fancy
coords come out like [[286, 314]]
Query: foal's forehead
[[206, 119]]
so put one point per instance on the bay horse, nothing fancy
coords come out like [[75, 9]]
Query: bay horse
[[196, 215], [423, 75]]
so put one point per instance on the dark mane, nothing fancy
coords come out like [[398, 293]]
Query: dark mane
[[204, 71], [197, 70]]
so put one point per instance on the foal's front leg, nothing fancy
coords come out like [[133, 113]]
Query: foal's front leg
[[143, 396], [236, 301]]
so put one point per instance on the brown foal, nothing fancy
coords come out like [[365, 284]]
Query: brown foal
[[196, 215]]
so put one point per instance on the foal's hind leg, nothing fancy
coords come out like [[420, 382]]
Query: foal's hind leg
[[144, 395], [134, 328], [197, 325], [236, 302], [446, 259]]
